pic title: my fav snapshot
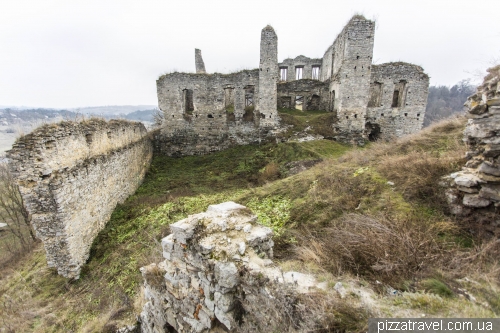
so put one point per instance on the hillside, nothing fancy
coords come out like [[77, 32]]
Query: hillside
[[373, 218]]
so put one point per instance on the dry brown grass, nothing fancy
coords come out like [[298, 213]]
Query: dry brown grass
[[325, 312], [270, 173], [381, 248], [380, 232]]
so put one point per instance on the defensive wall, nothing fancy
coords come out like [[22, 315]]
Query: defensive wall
[[71, 176]]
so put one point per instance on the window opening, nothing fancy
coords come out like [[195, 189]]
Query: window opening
[[286, 102], [395, 99], [249, 91], [229, 99], [299, 100], [399, 96], [188, 101], [283, 73], [375, 95], [332, 100], [315, 72], [298, 73]]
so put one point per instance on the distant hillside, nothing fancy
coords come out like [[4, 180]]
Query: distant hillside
[[144, 116], [112, 109], [444, 101]]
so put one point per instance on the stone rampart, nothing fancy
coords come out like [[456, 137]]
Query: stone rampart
[[218, 276], [477, 186], [71, 176]]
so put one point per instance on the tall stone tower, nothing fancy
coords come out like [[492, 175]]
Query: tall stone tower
[[198, 61], [268, 78]]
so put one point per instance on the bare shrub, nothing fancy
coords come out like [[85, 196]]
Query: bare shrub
[[270, 172], [14, 214], [386, 249], [158, 117]]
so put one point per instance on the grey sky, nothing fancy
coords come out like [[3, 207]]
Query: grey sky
[[110, 52]]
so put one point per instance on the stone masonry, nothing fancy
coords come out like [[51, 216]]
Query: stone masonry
[[200, 65], [477, 186], [218, 276], [214, 111], [71, 176]]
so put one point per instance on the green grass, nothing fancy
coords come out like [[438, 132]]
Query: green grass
[[320, 122], [437, 287]]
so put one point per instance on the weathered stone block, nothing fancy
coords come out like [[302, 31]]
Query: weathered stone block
[[490, 192], [226, 274], [474, 200], [489, 169], [183, 230]]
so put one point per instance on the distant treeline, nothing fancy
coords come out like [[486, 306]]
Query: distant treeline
[[444, 101]]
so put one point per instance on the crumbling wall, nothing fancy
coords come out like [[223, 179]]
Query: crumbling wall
[[397, 99], [268, 78], [71, 176], [347, 68], [199, 64], [477, 187], [313, 94], [341, 81], [218, 276], [303, 62], [203, 113], [222, 112]]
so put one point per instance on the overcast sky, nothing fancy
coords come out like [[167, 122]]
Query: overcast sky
[[75, 53]]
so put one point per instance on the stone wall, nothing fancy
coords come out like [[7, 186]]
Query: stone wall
[[303, 62], [313, 94], [204, 113], [218, 276], [71, 176], [476, 189], [397, 100], [198, 61], [268, 78], [223, 112], [347, 68]]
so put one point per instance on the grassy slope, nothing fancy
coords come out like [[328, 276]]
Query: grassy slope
[[348, 191]]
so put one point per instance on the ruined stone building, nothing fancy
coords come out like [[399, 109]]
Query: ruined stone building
[[206, 112]]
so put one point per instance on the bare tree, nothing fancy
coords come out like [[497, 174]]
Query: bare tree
[[13, 212], [158, 117]]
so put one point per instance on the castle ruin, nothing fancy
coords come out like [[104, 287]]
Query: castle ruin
[[208, 112]]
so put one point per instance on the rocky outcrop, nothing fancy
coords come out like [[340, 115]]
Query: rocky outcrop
[[477, 186], [218, 275]]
